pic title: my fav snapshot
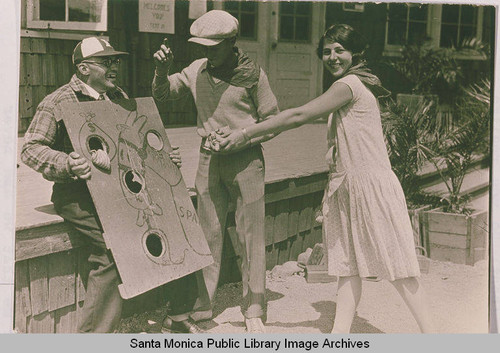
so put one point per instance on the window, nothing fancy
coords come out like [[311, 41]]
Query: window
[[246, 13], [295, 21], [458, 22], [88, 15], [406, 23], [436, 25], [353, 6]]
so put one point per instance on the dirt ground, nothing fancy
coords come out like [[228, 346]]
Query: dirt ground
[[457, 296]]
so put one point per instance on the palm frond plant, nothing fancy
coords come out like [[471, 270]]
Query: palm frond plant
[[473, 47], [454, 152], [409, 130], [426, 68]]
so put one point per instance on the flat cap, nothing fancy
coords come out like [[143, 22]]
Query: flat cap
[[213, 27]]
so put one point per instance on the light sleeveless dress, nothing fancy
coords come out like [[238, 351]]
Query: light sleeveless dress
[[366, 227]]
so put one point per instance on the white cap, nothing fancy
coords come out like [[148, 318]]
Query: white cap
[[213, 27]]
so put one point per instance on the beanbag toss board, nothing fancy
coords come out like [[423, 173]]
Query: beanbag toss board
[[149, 222]]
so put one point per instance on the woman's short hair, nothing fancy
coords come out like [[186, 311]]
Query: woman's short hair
[[345, 35]]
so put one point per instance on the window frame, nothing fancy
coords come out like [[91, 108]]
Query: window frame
[[391, 48], [478, 26], [33, 23], [255, 24], [434, 21], [293, 40]]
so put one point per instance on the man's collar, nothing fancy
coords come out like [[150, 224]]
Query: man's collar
[[92, 92], [79, 86]]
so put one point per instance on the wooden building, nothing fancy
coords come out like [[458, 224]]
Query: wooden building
[[282, 37]]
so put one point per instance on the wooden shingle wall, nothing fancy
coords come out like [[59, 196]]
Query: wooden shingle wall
[[45, 64]]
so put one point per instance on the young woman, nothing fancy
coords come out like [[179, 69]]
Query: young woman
[[366, 226]]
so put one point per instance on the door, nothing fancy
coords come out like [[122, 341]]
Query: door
[[295, 72]]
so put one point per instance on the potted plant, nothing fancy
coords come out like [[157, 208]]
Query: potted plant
[[455, 232]]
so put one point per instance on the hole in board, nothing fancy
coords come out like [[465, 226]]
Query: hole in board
[[154, 244], [133, 181], [95, 143], [154, 140]]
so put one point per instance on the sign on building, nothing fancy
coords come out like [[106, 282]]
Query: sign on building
[[146, 213], [157, 16]]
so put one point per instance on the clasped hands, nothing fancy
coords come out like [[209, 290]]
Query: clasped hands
[[224, 140]]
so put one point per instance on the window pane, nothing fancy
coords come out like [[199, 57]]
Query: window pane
[[246, 13], [84, 10], [231, 5], [303, 8], [286, 8], [247, 26], [286, 27], [396, 33], [488, 24], [52, 10], [302, 28], [468, 14], [450, 14], [418, 12], [249, 6], [416, 32], [234, 13], [467, 32], [397, 12], [448, 35]]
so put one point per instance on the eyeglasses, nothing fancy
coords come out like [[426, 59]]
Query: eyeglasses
[[105, 62]]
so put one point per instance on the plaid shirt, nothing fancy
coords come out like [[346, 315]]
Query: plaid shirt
[[46, 143]]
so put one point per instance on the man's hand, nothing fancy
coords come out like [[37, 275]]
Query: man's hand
[[215, 137], [79, 166], [233, 142], [163, 58], [175, 156]]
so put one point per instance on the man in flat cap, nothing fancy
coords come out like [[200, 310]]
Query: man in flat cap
[[230, 91], [47, 149]]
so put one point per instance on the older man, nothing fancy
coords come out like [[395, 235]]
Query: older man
[[230, 90], [48, 150]]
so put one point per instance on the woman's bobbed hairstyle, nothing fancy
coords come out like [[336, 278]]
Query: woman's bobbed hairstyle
[[345, 35]]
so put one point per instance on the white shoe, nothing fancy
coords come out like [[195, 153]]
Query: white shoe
[[255, 325], [201, 315]]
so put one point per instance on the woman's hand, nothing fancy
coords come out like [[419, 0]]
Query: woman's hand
[[235, 141], [175, 156]]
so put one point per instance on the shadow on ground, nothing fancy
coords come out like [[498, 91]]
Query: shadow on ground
[[324, 323], [230, 295]]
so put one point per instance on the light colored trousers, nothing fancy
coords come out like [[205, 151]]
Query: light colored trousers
[[237, 178]]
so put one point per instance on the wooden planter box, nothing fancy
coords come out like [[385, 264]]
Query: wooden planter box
[[455, 237], [416, 219]]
